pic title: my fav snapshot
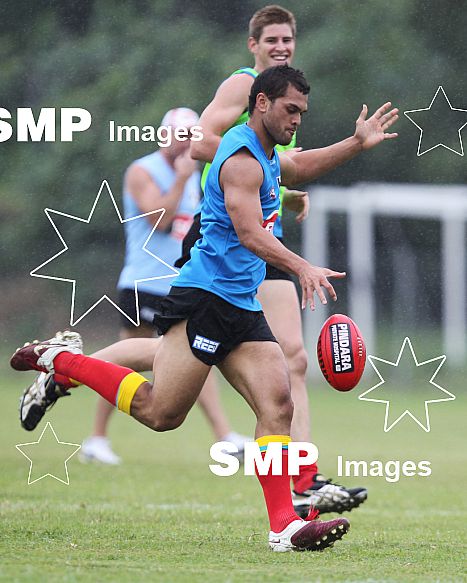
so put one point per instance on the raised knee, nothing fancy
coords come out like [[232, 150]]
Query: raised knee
[[162, 423]]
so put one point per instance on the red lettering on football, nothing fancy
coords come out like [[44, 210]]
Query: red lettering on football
[[341, 352]]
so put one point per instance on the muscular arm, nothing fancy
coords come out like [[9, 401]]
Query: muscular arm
[[299, 167], [229, 103], [241, 178], [148, 196]]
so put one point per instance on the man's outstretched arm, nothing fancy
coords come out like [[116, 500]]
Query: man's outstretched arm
[[241, 178], [300, 167]]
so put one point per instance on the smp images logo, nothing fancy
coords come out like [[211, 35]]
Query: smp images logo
[[300, 453], [44, 129]]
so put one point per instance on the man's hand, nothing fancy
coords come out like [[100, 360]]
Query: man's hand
[[312, 279], [371, 132], [297, 201], [184, 165]]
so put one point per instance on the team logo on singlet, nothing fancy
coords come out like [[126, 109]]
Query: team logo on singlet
[[272, 193], [268, 222]]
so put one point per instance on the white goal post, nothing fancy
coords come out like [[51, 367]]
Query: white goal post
[[361, 204]]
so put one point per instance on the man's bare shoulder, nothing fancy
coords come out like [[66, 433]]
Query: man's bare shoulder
[[237, 87], [242, 167], [136, 174]]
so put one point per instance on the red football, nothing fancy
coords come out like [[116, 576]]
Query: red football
[[341, 352]]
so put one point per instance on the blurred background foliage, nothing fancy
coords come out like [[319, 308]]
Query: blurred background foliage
[[132, 61]]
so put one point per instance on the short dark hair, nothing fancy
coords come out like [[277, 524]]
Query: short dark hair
[[274, 81], [272, 14]]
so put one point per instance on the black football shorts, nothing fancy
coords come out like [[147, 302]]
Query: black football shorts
[[148, 305], [214, 327], [194, 233]]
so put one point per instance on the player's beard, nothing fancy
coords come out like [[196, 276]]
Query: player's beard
[[278, 135]]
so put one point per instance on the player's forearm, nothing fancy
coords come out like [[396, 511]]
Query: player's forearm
[[171, 201], [311, 164], [266, 246], [205, 149]]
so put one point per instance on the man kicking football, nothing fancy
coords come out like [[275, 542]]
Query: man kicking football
[[213, 299], [272, 35]]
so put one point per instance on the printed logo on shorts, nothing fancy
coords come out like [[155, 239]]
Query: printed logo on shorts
[[204, 344]]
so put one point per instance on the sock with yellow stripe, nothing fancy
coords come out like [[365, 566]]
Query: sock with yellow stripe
[[65, 382], [276, 489], [117, 384]]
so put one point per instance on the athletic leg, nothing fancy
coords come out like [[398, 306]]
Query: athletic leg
[[210, 404], [259, 372], [162, 405], [178, 379], [139, 356], [135, 353], [282, 309]]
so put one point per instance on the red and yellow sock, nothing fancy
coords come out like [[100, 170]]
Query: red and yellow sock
[[65, 382], [276, 489], [117, 384], [304, 480]]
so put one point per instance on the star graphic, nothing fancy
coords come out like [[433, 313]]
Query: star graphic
[[394, 393], [104, 189], [48, 452], [446, 117]]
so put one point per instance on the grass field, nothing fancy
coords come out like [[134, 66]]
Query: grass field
[[162, 515]]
